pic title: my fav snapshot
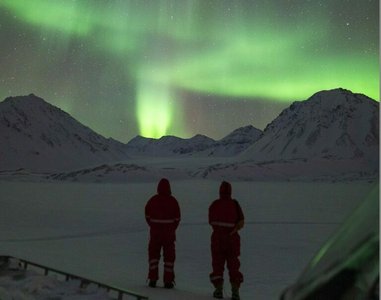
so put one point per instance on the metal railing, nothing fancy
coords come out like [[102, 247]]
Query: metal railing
[[84, 281]]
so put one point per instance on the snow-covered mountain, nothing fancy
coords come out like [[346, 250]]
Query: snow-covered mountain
[[199, 145], [235, 142], [39, 136], [334, 124], [168, 145]]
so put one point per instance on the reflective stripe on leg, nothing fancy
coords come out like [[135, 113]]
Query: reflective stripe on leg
[[169, 270], [213, 278]]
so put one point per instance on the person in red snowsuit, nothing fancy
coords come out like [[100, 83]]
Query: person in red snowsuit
[[226, 218], [162, 214]]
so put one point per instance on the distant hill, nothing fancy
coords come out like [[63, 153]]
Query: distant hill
[[39, 136], [167, 145], [199, 145], [235, 142]]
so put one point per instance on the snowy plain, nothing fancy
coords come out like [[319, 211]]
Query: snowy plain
[[98, 231]]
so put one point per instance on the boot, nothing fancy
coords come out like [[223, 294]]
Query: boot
[[235, 293], [169, 285], [152, 283], [218, 292]]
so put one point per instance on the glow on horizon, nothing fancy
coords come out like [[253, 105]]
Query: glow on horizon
[[153, 109]]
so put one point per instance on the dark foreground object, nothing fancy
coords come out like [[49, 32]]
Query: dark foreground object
[[347, 266]]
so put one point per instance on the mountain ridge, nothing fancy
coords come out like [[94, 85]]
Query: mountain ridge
[[332, 124], [198, 145]]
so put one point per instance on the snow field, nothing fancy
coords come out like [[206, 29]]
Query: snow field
[[98, 231]]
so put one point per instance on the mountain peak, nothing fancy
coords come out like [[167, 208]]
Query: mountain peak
[[201, 137], [334, 97], [31, 98], [330, 124], [38, 135], [32, 105]]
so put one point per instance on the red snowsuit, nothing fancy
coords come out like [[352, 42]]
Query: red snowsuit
[[163, 216], [226, 218]]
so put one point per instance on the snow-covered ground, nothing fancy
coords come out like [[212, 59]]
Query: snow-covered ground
[[98, 231]]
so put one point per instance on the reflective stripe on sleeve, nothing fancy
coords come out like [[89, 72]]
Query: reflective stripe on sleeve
[[167, 221], [223, 224]]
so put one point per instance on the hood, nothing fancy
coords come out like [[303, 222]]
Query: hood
[[225, 190], [164, 188]]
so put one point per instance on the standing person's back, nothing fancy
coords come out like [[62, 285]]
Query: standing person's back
[[226, 218], [162, 213]]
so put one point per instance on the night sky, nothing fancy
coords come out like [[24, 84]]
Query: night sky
[[183, 67]]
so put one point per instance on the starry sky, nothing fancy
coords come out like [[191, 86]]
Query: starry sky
[[162, 67]]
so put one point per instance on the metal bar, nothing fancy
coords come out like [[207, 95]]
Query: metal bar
[[120, 295], [69, 276]]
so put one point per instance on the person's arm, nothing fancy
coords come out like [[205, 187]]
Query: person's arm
[[239, 225], [147, 213], [177, 214], [241, 219], [210, 215]]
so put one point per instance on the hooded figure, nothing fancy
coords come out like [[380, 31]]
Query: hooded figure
[[226, 218], [163, 216]]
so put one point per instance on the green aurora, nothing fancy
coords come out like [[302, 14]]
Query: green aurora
[[279, 51]]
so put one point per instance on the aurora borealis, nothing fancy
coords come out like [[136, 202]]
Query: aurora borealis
[[160, 67]]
